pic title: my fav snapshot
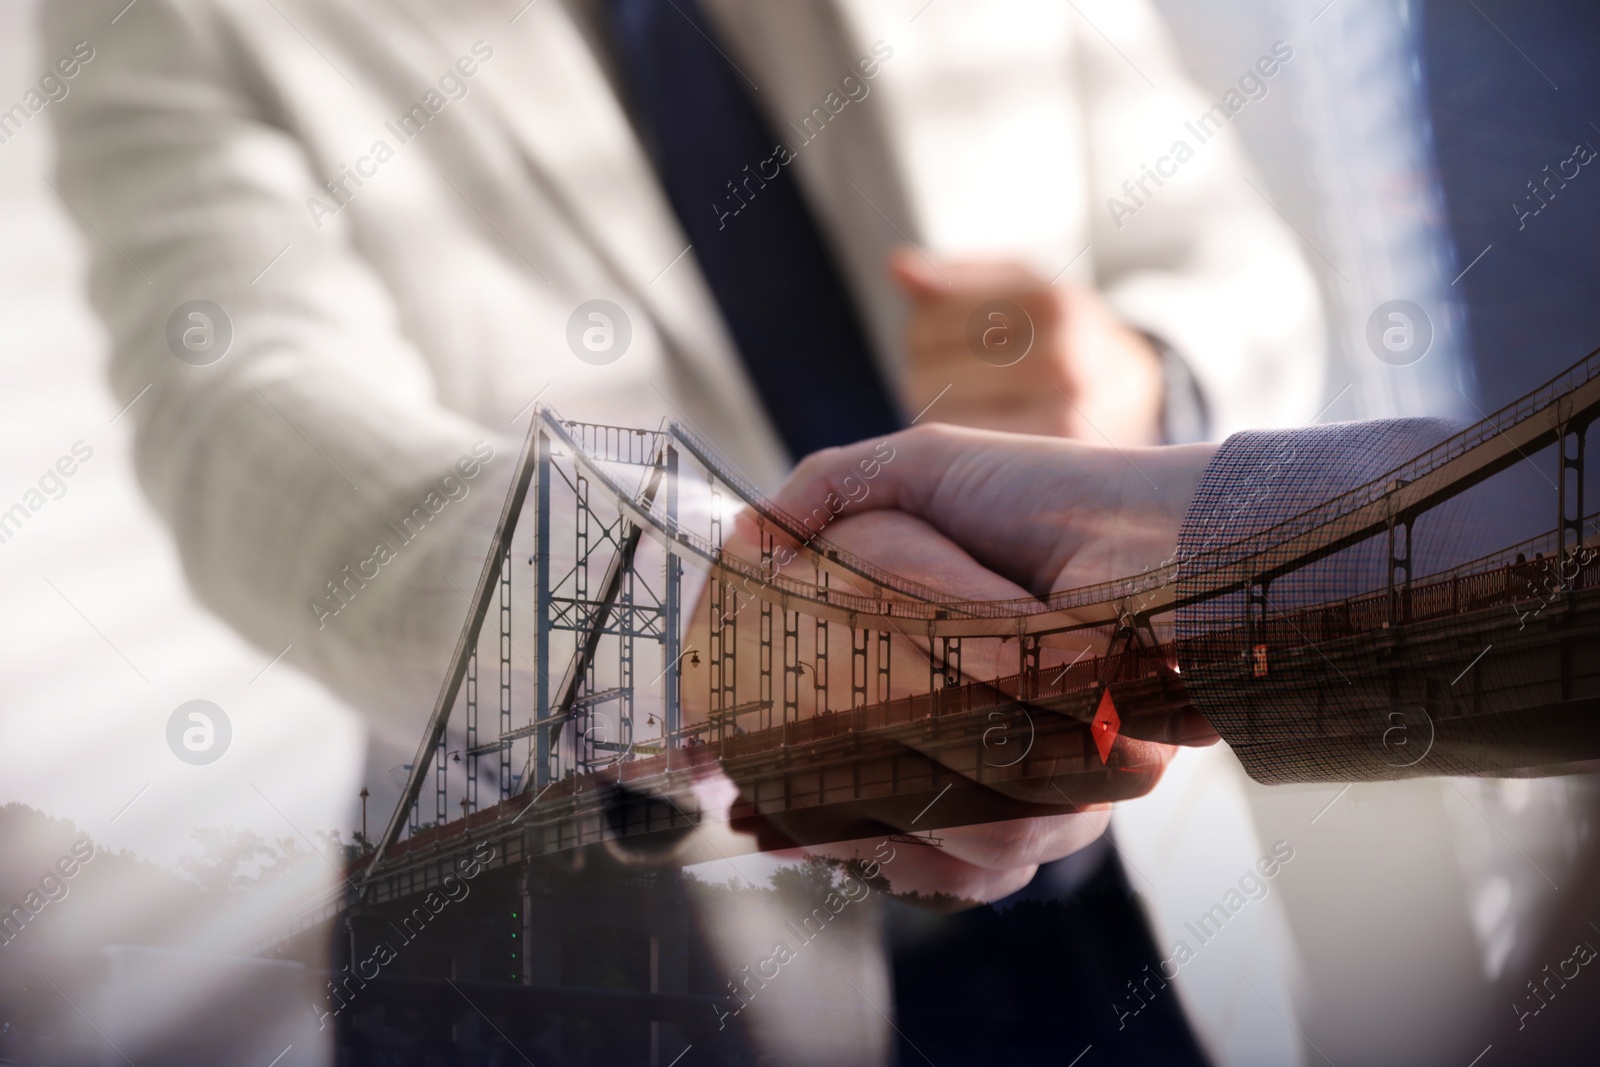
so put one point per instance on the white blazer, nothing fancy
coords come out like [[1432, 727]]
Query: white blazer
[[373, 344], [395, 296]]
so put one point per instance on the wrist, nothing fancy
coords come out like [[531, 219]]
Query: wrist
[[1177, 473], [1181, 468], [1121, 515]]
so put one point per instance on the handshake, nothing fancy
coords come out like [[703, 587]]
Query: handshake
[[988, 516]]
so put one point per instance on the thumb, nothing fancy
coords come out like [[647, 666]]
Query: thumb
[[911, 272]]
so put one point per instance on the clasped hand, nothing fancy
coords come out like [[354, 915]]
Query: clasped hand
[[982, 515]]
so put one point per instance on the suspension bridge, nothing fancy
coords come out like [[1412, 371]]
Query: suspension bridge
[[589, 699]]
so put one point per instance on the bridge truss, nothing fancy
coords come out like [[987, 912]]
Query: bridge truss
[[808, 675]]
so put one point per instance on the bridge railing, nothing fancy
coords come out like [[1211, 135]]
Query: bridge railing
[[1520, 579], [617, 444], [919, 602], [915, 602], [1545, 401], [964, 699], [1477, 586]]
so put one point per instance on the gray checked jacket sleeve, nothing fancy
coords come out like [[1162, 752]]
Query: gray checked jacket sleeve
[[1480, 667]]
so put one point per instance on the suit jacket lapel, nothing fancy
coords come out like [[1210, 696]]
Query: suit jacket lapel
[[554, 101]]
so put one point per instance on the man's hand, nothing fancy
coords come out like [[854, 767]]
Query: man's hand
[[994, 516], [1085, 374], [1045, 514], [973, 863]]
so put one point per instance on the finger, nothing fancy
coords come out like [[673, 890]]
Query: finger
[[929, 276], [867, 474], [949, 319], [1058, 767], [915, 276], [963, 481], [1024, 392], [1002, 846], [1038, 356], [1191, 729], [975, 864], [941, 868], [908, 546], [928, 871]]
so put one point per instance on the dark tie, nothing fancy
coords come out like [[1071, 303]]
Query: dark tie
[[757, 243]]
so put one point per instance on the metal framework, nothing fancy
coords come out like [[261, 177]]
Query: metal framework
[[608, 523]]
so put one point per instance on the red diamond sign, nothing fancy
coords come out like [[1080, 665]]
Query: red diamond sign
[[1105, 725]]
